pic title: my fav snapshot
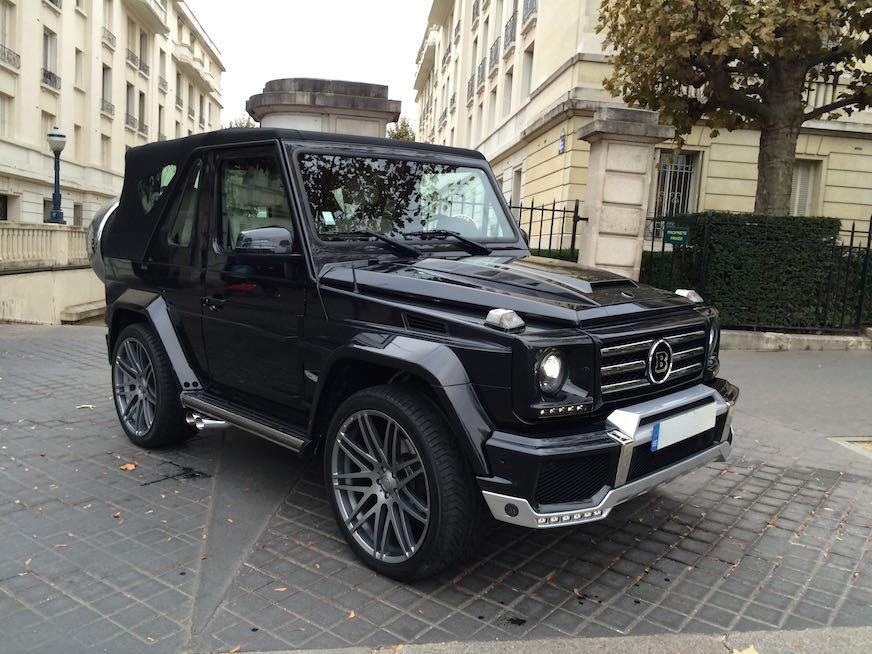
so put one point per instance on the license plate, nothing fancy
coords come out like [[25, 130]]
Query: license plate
[[683, 426]]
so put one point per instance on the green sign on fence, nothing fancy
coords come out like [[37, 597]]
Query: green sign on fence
[[674, 234]]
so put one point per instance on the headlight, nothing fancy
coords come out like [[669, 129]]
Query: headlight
[[550, 372], [713, 338]]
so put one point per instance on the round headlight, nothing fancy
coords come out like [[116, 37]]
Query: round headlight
[[550, 372], [713, 337]]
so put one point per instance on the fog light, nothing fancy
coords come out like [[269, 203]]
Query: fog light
[[511, 510]]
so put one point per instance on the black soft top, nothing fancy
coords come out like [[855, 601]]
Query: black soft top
[[131, 228]]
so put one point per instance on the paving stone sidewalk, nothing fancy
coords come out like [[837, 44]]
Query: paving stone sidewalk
[[228, 541]]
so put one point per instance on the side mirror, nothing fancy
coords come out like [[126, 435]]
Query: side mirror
[[263, 241], [525, 236]]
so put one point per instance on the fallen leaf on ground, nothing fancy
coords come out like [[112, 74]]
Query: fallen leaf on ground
[[280, 589], [749, 650], [128, 466], [85, 406], [60, 545], [117, 514], [236, 649], [351, 614]]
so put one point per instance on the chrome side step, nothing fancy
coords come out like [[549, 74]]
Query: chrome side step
[[221, 414]]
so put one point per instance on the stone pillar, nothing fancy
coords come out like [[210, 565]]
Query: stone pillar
[[618, 187]]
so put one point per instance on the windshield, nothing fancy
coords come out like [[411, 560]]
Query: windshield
[[395, 197]]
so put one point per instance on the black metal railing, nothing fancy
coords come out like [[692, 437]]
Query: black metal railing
[[494, 56], [475, 11], [190, 112], [470, 88], [107, 107], [56, 3], [162, 83], [51, 79], [144, 68], [530, 9], [180, 103], [482, 69], [511, 30], [130, 121], [453, 102], [10, 57], [109, 38], [457, 32], [826, 288], [551, 229], [132, 59], [142, 127], [443, 117], [447, 56]]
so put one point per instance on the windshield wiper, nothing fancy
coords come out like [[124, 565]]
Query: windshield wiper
[[397, 246], [473, 247]]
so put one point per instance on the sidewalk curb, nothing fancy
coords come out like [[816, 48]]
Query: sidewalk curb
[[733, 339], [831, 640]]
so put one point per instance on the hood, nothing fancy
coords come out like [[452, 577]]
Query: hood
[[550, 290]]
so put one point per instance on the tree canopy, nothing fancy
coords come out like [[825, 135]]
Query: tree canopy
[[401, 130]]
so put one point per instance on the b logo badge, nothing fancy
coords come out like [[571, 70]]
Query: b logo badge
[[659, 361]]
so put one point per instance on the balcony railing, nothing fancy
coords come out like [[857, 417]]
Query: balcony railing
[[482, 69], [56, 3], [511, 31], [142, 127], [132, 59], [51, 79], [443, 117], [475, 12], [470, 88], [144, 68], [162, 83], [109, 38], [453, 104], [457, 32], [529, 15], [190, 112], [447, 56], [130, 121], [494, 57], [107, 107], [37, 247], [179, 102], [9, 57]]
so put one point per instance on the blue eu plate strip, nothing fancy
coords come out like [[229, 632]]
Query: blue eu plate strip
[[655, 437]]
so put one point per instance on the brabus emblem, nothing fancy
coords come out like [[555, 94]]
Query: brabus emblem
[[659, 361]]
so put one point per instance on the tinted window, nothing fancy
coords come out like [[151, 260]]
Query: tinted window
[[252, 196], [152, 187], [395, 196], [186, 215]]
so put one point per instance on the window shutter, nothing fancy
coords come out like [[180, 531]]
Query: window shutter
[[801, 188]]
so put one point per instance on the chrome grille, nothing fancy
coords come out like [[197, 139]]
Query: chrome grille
[[623, 365]]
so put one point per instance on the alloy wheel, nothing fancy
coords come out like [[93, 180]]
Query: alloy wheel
[[380, 485], [134, 385]]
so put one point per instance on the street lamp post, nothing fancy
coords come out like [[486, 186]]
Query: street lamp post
[[56, 141]]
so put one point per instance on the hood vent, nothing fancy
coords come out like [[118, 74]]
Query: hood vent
[[417, 323]]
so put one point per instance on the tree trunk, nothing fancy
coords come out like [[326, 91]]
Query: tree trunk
[[775, 166]]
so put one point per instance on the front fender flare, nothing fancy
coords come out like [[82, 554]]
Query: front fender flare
[[438, 366]]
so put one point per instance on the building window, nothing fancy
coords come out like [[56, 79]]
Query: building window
[[527, 73], [48, 122], [516, 187], [802, 190], [106, 84], [492, 110], [46, 209], [106, 151], [5, 118], [143, 47], [107, 13], [130, 99], [178, 129], [80, 68], [675, 193], [6, 23], [4, 207], [507, 92], [49, 50], [78, 144], [78, 214]]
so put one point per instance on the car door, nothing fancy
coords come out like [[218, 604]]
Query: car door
[[174, 262], [253, 306]]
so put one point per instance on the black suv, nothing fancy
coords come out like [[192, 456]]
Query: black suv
[[374, 301]]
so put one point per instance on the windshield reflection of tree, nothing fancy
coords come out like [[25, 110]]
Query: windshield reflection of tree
[[388, 196]]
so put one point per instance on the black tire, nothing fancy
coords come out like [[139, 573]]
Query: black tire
[[453, 495], [168, 425]]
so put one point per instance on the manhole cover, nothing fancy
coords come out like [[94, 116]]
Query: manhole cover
[[858, 444]]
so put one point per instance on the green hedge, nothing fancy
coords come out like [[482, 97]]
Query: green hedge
[[764, 271]]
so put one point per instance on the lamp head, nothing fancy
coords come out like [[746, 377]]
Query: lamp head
[[56, 140]]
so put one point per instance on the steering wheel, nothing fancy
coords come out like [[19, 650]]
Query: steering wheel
[[463, 225]]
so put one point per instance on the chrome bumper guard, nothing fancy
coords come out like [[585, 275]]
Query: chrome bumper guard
[[631, 427]]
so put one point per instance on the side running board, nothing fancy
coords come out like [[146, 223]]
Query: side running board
[[287, 435]]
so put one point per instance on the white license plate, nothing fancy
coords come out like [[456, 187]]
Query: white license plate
[[683, 426]]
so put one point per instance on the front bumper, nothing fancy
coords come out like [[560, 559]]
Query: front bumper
[[577, 478]]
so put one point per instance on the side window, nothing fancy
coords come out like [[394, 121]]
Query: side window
[[151, 187], [252, 196], [186, 214]]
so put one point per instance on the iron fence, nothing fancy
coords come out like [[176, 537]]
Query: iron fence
[[552, 229], [763, 275]]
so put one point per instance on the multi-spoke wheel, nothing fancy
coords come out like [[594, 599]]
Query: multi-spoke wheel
[[401, 492], [145, 389]]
